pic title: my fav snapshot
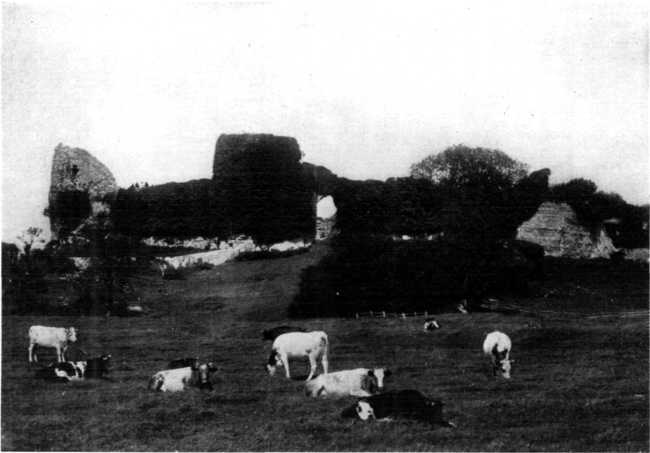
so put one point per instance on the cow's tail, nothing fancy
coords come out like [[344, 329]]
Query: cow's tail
[[324, 344]]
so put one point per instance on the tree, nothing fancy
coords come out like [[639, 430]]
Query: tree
[[460, 166], [30, 237]]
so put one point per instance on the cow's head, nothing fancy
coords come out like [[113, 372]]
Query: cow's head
[[273, 362], [71, 334], [369, 382], [504, 368], [431, 324], [381, 374], [204, 370], [365, 411]]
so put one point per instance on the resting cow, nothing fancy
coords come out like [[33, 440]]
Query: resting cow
[[409, 404], [497, 346], [296, 345], [272, 334], [63, 371], [50, 337], [179, 379], [357, 382], [431, 324]]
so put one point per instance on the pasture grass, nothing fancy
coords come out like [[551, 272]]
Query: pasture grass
[[577, 385]]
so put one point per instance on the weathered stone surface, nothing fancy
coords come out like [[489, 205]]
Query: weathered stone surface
[[76, 171], [556, 228]]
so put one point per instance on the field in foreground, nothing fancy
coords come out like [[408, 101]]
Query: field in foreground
[[579, 382]]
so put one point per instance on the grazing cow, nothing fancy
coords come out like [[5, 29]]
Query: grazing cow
[[272, 334], [97, 367], [497, 346], [50, 337], [184, 362], [357, 382], [63, 371], [179, 379], [298, 344], [409, 404], [431, 324]]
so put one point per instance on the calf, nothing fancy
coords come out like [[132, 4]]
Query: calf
[[357, 382], [63, 371], [298, 344], [497, 346], [185, 362], [272, 334], [431, 324], [179, 379], [50, 337], [409, 404]]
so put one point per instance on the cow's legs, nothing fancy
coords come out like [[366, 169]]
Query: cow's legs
[[31, 354], [285, 362], [324, 362], [312, 366], [59, 354]]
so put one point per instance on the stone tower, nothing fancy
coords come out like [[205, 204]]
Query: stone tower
[[80, 189]]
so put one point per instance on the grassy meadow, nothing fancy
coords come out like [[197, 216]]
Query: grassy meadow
[[579, 382]]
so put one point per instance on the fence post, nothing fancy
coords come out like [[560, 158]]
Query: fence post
[[371, 313], [356, 315], [426, 314], [383, 313], [403, 315]]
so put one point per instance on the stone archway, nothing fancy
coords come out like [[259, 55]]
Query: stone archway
[[325, 216]]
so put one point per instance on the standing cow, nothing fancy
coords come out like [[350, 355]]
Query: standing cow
[[497, 346], [295, 345], [50, 337]]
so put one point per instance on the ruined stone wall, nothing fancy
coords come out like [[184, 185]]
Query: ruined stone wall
[[556, 228], [75, 170]]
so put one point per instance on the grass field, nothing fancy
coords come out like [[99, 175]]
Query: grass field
[[578, 383]]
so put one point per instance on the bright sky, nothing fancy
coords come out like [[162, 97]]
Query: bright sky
[[366, 88]]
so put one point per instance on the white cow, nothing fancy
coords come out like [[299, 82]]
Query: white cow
[[178, 379], [497, 346], [295, 345], [50, 337], [357, 382]]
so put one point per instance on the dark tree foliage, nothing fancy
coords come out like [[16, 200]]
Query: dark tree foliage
[[375, 273], [178, 210], [71, 207], [478, 169]]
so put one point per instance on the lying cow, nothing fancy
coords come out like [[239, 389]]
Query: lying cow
[[50, 337], [63, 371], [179, 379], [497, 346], [409, 404], [296, 345], [97, 367], [431, 324], [272, 334], [357, 382], [183, 363]]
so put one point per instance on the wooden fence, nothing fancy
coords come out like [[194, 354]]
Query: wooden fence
[[385, 314]]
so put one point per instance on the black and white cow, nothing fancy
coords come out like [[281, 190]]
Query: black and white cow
[[63, 371], [431, 324], [275, 332], [409, 404], [97, 367], [179, 379], [357, 382]]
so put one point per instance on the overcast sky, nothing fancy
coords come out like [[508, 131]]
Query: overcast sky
[[367, 89]]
